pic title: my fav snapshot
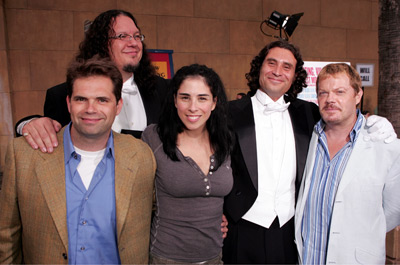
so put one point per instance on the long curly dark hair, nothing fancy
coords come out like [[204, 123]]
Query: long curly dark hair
[[253, 77], [170, 125], [97, 41]]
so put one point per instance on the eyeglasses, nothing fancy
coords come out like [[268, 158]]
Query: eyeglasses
[[127, 37]]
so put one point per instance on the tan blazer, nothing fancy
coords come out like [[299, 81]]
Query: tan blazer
[[33, 221]]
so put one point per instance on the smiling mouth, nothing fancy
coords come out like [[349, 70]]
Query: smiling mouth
[[131, 52], [274, 80], [193, 118], [91, 120]]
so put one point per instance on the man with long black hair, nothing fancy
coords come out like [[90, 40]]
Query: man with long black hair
[[113, 34]]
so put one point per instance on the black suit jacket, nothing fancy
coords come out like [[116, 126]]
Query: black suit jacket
[[55, 105], [303, 115]]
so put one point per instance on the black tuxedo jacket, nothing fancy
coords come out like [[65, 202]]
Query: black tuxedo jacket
[[55, 105], [303, 115]]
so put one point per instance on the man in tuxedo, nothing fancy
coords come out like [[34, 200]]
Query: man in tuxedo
[[113, 34], [273, 130], [349, 197], [90, 201]]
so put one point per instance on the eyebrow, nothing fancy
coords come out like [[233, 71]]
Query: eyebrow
[[275, 60], [124, 32], [83, 97], [78, 97], [271, 60], [199, 95]]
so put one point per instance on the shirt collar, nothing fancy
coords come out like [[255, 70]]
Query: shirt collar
[[130, 81], [264, 99], [69, 150], [320, 126], [130, 87]]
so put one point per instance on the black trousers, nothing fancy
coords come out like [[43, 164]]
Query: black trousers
[[249, 243]]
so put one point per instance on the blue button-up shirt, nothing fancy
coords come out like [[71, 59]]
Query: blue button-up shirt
[[325, 181], [91, 214]]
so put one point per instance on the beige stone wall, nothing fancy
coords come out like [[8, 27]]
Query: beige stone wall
[[43, 35], [39, 37], [6, 123], [393, 246]]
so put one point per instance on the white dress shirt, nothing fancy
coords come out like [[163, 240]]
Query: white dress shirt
[[132, 115], [276, 160]]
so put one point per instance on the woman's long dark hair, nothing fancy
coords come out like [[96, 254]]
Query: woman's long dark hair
[[170, 125]]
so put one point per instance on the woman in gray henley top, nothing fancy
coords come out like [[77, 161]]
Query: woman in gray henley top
[[191, 144]]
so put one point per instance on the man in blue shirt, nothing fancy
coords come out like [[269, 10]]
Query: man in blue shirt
[[89, 202], [349, 196]]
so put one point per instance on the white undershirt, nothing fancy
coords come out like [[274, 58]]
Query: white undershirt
[[132, 115], [88, 164], [276, 160]]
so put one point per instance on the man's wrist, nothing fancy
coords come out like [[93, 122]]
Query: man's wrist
[[22, 124]]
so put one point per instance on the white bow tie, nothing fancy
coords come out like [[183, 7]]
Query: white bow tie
[[275, 107], [131, 90]]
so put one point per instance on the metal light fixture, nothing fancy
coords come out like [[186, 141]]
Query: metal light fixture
[[285, 23]]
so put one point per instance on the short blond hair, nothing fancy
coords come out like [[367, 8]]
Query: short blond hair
[[337, 68]]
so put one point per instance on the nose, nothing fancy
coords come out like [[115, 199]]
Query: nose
[[91, 107], [133, 42], [330, 97], [193, 106], [277, 70]]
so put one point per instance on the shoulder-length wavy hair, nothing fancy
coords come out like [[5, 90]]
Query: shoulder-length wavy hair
[[97, 41], [253, 77], [170, 125]]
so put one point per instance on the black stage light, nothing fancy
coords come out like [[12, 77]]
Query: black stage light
[[292, 22], [281, 22]]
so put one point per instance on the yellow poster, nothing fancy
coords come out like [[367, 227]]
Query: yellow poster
[[161, 68]]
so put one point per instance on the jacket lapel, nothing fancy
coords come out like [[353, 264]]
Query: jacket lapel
[[243, 119], [125, 177], [301, 131], [305, 185], [358, 157], [51, 177]]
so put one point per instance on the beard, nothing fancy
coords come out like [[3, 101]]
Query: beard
[[130, 68]]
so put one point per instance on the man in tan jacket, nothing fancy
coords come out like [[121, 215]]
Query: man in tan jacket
[[88, 202]]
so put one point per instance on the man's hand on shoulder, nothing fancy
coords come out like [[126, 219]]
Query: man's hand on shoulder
[[379, 128], [41, 133]]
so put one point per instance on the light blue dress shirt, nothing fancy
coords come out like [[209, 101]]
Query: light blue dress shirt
[[91, 214]]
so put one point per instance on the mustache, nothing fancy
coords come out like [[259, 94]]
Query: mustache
[[331, 106]]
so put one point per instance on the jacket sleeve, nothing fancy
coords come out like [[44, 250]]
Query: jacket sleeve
[[10, 221], [55, 104], [391, 195]]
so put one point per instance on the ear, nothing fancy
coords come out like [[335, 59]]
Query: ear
[[214, 103], [119, 106], [69, 103], [359, 96]]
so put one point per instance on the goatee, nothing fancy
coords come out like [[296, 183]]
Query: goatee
[[130, 68]]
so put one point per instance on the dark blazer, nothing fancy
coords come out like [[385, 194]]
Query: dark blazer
[[303, 115], [55, 105]]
